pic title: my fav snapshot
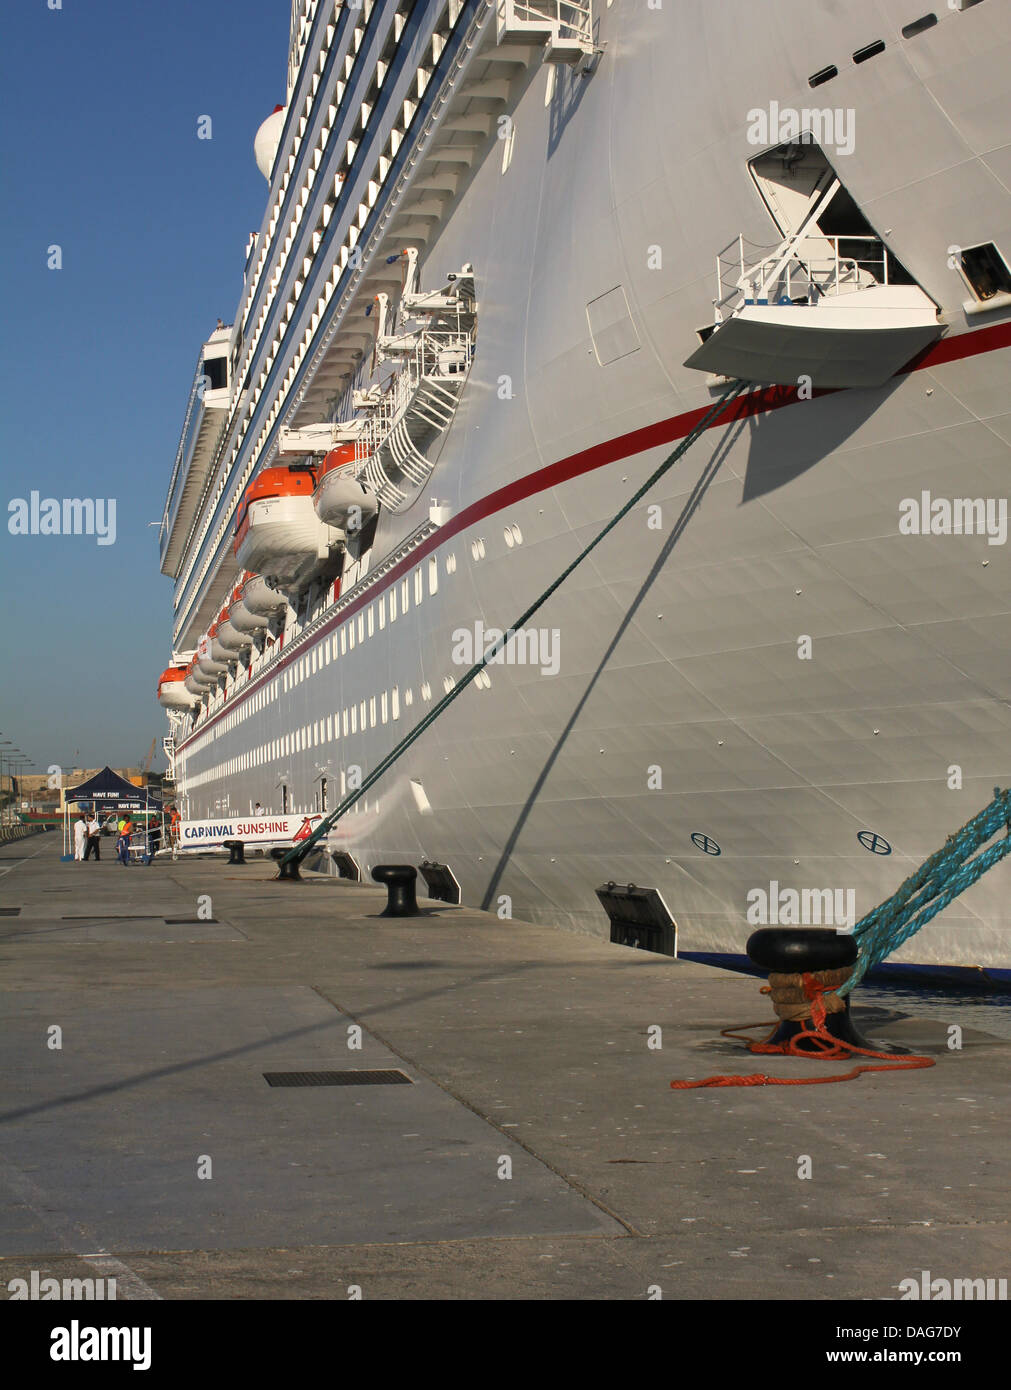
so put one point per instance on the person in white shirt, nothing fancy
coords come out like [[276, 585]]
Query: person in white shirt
[[94, 844], [80, 836]]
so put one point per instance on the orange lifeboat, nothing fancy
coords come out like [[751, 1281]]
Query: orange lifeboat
[[231, 640], [278, 534], [196, 682], [207, 662], [339, 498], [252, 620], [172, 692], [260, 603]]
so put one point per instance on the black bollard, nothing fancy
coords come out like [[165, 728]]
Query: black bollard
[[400, 880], [805, 950], [285, 871], [236, 851]]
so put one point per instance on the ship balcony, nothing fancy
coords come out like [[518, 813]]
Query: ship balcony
[[206, 414], [818, 307]]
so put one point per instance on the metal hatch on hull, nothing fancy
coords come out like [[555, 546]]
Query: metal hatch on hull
[[819, 305]]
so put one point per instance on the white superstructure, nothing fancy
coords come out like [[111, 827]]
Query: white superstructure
[[511, 253]]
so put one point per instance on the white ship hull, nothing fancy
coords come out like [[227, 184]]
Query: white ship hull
[[682, 705]]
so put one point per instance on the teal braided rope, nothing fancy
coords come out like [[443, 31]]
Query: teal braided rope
[[935, 871], [935, 884], [296, 855]]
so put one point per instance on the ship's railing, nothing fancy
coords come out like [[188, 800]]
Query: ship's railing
[[563, 21], [807, 269], [436, 354], [191, 423]]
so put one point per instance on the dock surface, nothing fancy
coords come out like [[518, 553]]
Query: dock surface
[[538, 1153]]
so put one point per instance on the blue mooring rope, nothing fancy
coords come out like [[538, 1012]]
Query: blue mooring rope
[[933, 886]]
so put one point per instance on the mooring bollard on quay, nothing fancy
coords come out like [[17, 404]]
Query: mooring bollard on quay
[[804, 962], [287, 871], [400, 880]]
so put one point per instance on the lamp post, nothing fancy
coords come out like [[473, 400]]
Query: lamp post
[[19, 766], [4, 744]]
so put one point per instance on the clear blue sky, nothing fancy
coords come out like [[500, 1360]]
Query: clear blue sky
[[100, 154]]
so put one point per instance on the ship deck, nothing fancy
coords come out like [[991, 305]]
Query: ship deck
[[522, 1042]]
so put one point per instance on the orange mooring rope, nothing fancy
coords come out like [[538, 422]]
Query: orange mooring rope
[[823, 1047]]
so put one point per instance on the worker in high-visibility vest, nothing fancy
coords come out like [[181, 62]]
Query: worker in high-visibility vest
[[123, 840]]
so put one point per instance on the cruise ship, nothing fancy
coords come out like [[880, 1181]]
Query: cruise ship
[[512, 255]]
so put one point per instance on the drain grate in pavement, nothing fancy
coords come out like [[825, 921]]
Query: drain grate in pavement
[[337, 1078], [9, 911]]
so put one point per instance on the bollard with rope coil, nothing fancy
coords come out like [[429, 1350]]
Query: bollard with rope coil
[[813, 1003], [812, 1041]]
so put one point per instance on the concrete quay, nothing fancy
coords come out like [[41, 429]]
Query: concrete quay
[[539, 1152]]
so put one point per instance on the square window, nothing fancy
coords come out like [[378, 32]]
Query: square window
[[986, 271]]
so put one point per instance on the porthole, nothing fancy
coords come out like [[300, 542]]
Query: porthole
[[919, 26], [824, 75]]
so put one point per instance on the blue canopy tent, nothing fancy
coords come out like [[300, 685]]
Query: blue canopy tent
[[106, 791]]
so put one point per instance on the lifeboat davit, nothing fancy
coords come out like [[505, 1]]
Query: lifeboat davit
[[340, 499], [278, 533], [172, 692]]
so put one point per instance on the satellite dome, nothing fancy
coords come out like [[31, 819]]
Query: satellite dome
[[268, 137]]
